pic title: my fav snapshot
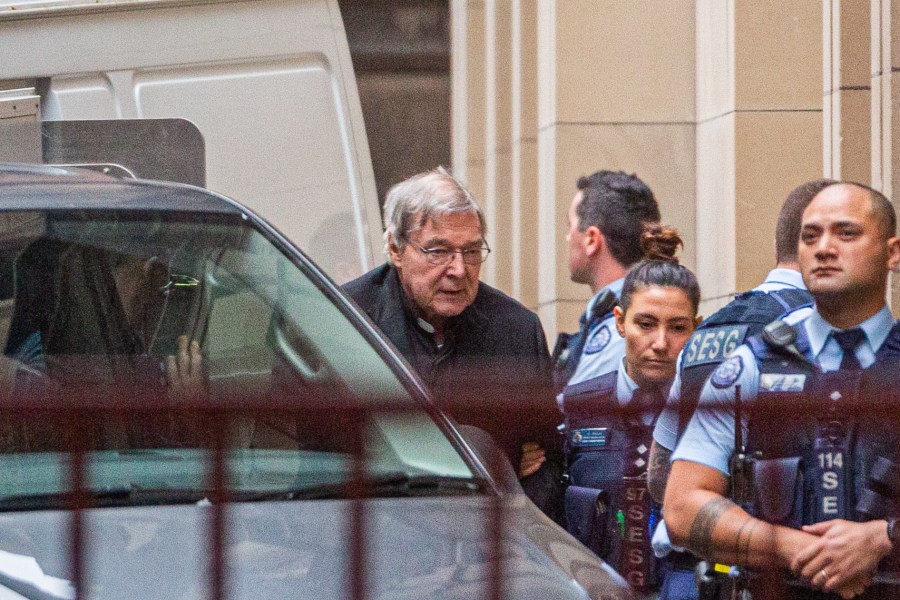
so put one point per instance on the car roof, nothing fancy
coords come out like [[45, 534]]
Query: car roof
[[45, 187]]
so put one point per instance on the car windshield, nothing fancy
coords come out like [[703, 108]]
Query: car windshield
[[105, 305]]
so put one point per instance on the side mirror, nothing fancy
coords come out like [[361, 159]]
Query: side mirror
[[492, 457]]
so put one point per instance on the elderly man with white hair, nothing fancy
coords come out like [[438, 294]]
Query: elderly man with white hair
[[483, 354]]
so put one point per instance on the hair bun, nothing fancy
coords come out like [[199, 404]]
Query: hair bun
[[661, 242]]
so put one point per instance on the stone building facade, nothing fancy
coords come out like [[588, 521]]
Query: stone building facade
[[721, 106]]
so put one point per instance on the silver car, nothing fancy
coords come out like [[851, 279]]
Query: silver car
[[190, 409]]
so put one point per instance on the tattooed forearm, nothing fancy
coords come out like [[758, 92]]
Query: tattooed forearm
[[700, 538], [744, 537], [658, 471]]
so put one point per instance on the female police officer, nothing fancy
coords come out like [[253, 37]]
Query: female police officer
[[609, 419]]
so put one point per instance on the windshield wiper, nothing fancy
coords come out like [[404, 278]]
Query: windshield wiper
[[120, 496], [388, 485]]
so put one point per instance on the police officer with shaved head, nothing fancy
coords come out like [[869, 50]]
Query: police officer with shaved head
[[782, 292], [784, 408]]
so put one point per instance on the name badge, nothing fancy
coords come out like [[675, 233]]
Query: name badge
[[592, 437], [780, 382], [712, 345]]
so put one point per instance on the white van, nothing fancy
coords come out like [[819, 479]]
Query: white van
[[267, 84]]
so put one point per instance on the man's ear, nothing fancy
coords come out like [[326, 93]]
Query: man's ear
[[619, 314], [594, 241], [893, 246], [396, 254]]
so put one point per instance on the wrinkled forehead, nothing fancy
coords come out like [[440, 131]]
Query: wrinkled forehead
[[462, 226]]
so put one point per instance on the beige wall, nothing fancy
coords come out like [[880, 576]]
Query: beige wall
[[721, 106]]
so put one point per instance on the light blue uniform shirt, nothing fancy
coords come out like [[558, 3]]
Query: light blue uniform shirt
[[709, 438], [666, 431], [604, 347], [625, 385], [625, 388]]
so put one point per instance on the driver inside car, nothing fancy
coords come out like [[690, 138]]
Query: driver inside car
[[88, 317]]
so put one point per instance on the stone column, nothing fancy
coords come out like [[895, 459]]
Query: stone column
[[498, 142], [468, 89], [524, 152], [847, 77], [885, 86], [759, 132], [615, 91]]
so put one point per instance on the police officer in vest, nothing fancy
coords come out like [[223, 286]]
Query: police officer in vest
[[792, 391], [609, 419], [782, 292], [606, 220]]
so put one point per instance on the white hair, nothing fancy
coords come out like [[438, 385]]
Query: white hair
[[427, 196]]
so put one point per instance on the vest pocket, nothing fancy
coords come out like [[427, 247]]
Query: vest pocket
[[587, 517], [778, 491]]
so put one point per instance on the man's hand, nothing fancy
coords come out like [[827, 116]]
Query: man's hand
[[185, 372], [845, 555], [533, 457]]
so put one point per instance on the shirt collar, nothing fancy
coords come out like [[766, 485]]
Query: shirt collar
[[877, 327], [412, 315], [625, 385], [789, 277], [615, 287]]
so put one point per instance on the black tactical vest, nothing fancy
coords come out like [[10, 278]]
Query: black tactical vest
[[717, 336], [826, 445], [608, 506], [569, 346]]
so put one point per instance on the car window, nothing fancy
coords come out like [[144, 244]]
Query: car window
[[103, 303]]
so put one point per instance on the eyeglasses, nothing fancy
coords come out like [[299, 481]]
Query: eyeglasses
[[443, 256], [179, 282]]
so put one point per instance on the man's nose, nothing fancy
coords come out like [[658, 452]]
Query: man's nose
[[824, 247], [456, 266]]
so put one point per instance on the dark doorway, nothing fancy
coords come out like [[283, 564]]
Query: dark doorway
[[401, 55]]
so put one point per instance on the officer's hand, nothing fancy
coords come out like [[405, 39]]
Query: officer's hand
[[845, 553], [185, 372], [533, 457]]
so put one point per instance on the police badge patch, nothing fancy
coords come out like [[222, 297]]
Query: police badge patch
[[598, 340], [727, 373]]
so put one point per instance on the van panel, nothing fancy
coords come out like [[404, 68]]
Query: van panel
[[268, 83], [301, 172], [88, 97]]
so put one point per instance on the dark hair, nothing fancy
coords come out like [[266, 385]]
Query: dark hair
[[882, 208], [790, 219], [660, 268], [620, 205]]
